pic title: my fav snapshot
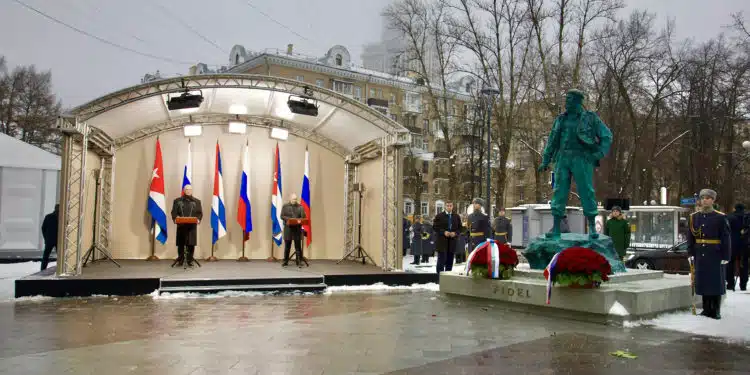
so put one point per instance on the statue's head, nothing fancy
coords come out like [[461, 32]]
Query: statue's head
[[574, 101]]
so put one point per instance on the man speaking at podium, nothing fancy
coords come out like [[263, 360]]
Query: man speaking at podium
[[292, 210], [185, 207]]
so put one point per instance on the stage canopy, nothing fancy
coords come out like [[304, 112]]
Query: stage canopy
[[137, 112], [346, 127]]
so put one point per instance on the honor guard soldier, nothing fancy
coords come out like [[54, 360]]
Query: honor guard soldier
[[479, 224], [503, 229], [709, 246]]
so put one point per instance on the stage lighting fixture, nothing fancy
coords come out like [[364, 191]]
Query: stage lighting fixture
[[279, 133], [302, 105], [237, 127], [192, 130], [184, 101]]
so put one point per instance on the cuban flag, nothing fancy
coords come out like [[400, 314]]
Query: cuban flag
[[551, 272], [218, 213], [277, 201], [156, 203], [187, 172], [306, 197], [244, 213]]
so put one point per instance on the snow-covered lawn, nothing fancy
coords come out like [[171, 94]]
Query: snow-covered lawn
[[9, 272], [734, 323]]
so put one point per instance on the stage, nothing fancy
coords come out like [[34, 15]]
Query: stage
[[137, 277]]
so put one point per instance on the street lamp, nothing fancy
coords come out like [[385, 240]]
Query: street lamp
[[489, 94]]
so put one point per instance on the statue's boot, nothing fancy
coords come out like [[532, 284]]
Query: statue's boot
[[555, 227], [592, 227]]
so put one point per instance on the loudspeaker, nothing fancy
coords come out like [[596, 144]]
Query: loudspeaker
[[624, 203]]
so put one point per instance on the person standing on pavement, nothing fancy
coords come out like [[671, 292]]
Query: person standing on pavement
[[709, 247], [405, 229], [292, 233], [618, 228], [737, 267], [503, 228], [447, 227], [479, 225], [416, 240], [49, 233]]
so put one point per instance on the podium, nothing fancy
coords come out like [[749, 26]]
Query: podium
[[185, 220], [300, 222]]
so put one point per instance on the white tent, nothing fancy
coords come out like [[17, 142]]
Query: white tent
[[28, 191]]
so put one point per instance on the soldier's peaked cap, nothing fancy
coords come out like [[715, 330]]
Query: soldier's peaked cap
[[708, 193]]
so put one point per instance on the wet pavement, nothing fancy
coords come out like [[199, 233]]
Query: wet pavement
[[343, 333]]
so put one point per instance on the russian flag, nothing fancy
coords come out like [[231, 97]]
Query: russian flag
[[218, 213], [187, 172], [156, 203], [277, 201], [306, 197], [244, 213]]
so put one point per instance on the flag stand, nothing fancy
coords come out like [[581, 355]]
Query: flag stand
[[153, 256], [212, 258], [243, 258]]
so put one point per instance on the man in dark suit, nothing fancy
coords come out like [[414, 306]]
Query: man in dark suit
[[447, 226], [49, 233], [186, 237], [292, 233], [737, 267]]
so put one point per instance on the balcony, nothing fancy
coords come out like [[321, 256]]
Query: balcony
[[442, 155]]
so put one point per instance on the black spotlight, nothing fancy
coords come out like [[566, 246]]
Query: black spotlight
[[186, 100], [303, 105]]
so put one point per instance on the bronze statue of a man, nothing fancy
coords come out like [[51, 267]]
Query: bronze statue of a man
[[578, 140]]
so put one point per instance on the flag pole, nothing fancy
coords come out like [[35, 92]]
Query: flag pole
[[212, 258], [153, 256], [243, 258]]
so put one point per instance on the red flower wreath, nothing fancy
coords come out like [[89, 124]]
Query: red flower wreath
[[581, 260]]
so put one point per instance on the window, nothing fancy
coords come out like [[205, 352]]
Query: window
[[425, 188], [380, 93], [425, 209], [439, 207], [372, 93], [408, 207], [394, 118], [300, 78], [426, 124], [339, 60], [393, 99], [416, 141], [357, 92], [425, 166], [342, 87], [413, 102], [236, 59], [425, 144], [437, 188], [520, 193], [320, 83]]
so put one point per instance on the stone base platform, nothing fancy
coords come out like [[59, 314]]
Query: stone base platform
[[634, 295]]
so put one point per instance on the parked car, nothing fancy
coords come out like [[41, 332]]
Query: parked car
[[670, 260]]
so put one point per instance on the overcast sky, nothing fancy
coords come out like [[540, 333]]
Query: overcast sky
[[84, 68]]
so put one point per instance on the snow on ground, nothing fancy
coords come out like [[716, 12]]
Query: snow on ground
[[380, 287], [9, 272], [734, 323]]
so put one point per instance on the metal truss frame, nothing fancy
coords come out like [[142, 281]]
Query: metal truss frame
[[78, 140], [248, 81], [222, 119]]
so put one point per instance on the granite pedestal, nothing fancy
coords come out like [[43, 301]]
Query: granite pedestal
[[634, 295]]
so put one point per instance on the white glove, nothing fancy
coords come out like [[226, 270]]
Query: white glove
[[690, 259], [724, 262]]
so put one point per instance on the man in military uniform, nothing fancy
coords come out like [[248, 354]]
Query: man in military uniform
[[737, 267], [578, 140], [709, 247], [503, 229], [479, 225], [187, 234]]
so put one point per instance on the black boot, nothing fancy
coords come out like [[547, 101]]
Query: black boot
[[717, 307], [706, 306]]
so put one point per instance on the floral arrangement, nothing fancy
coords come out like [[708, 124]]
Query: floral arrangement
[[501, 257], [578, 266]]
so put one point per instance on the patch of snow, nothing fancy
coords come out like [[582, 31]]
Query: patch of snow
[[523, 266], [380, 287], [10, 272], [223, 294], [734, 323], [618, 309]]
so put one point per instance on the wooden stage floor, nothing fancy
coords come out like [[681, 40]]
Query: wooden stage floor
[[144, 277]]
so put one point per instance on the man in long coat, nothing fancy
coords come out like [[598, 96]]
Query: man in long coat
[[503, 228], [292, 210], [186, 237], [49, 233], [739, 225], [447, 227], [709, 246]]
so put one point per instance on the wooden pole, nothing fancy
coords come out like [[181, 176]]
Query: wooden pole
[[243, 258], [212, 258], [153, 256], [271, 258]]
